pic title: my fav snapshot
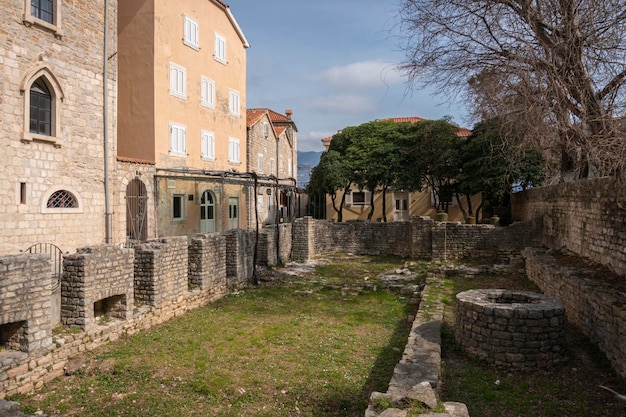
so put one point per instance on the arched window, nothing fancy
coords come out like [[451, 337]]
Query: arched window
[[40, 108], [62, 199], [43, 98]]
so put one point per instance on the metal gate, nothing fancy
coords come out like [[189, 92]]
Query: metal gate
[[56, 259], [136, 211]]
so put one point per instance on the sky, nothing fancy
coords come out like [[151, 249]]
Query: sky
[[333, 62]]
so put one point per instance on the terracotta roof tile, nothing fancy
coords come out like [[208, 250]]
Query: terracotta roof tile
[[254, 115], [461, 132]]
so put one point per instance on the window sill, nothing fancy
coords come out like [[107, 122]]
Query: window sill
[[178, 154], [28, 137], [208, 105], [59, 210], [30, 20], [208, 159], [191, 45]]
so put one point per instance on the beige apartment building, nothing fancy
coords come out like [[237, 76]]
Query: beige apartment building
[[272, 156], [57, 136], [182, 119]]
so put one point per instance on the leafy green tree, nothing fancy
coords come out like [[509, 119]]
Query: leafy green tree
[[329, 176], [493, 164], [435, 152]]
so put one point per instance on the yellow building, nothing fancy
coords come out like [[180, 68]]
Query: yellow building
[[182, 95], [399, 205]]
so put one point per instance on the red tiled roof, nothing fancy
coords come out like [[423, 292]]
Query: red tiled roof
[[461, 132], [279, 130], [254, 115], [405, 119]]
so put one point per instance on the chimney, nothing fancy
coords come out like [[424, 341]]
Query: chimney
[[289, 112]]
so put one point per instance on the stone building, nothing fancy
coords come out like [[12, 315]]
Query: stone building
[[56, 134], [182, 127], [272, 156]]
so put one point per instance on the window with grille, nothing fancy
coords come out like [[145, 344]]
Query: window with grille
[[62, 199]]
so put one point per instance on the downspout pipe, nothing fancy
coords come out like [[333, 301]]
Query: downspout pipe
[[105, 116]]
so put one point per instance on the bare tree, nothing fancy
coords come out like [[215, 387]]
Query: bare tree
[[556, 68]]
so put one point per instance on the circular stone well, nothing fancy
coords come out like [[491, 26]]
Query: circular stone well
[[515, 329]]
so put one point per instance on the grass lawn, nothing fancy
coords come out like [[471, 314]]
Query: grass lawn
[[315, 344], [286, 348]]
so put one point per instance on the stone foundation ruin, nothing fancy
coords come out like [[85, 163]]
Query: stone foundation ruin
[[520, 330]]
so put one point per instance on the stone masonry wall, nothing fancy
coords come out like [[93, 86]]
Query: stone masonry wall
[[161, 268], [25, 303], [595, 307], [587, 218], [267, 250], [207, 262], [421, 237], [94, 274], [239, 257]]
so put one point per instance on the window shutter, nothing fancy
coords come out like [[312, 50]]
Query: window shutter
[[349, 198]]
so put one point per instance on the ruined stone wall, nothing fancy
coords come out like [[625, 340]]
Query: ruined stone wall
[[207, 262], [421, 238], [239, 257], [587, 218], [161, 268], [592, 305], [25, 303], [95, 274], [273, 251]]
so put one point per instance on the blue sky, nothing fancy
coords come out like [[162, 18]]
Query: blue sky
[[332, 62]]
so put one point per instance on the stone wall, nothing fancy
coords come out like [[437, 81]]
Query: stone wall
[[269, 246], [161, 268], [97, 284], [239, 257], [597, 308], [25, 303], [99, 276], [421, 238], [587, 218]]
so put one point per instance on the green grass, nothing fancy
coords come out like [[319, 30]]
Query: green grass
[[263, 352]]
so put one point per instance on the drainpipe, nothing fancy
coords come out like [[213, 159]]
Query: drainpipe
[[105, 114]]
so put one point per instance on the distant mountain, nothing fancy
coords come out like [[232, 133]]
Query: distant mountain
[[306, 162]]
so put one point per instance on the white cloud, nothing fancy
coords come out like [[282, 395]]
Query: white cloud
[[371, 73], [344, 104]]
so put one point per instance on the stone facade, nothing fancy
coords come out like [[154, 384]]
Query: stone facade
[[97, 285], [587, 218], [592, 304], [161, 268], [272, 156], [67, 56]]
